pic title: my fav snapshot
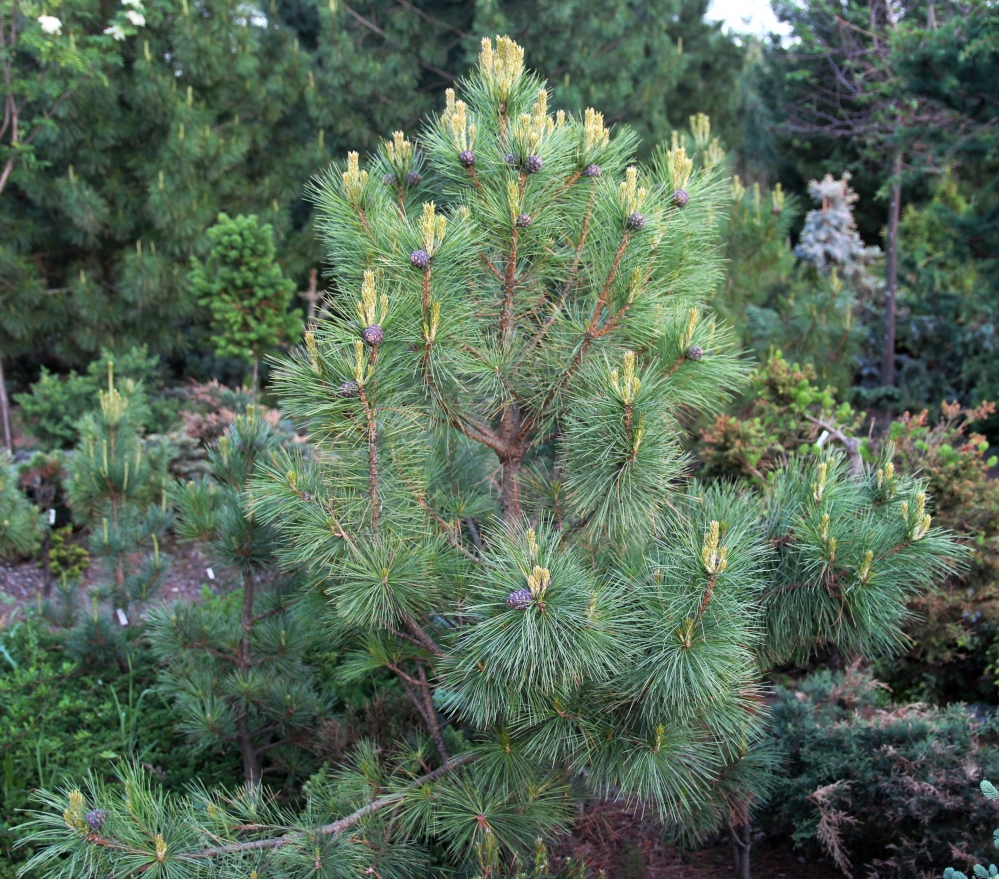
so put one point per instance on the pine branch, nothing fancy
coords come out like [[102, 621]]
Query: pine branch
[[332, 830]]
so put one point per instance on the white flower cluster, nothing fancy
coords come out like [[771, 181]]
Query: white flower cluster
[[50, 24], [135, 15]]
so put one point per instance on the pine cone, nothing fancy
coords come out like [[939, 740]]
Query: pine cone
[[532, 164], [95, 819], [523, 220], [510, 159], [348, 390], [520, 599], [420, 258], [372, 335], [695, 352], [389, 179], [413, 179], [467, 158], [635, 221], [775, 210], [681, 198], [592, 171]]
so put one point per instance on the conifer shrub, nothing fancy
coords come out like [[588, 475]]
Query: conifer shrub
[[493, 508], [880, 788], [20, 522]]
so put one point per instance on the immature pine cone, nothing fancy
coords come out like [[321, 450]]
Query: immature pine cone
[[533, 164], [348, 390], [523, 220], [372, 335], [775, 210], [520, 599], [695, 352], [420, 258], [510, 159], [635, 222], [592, 171], [95, 819], [467, 158], [681, 198], [389, 179], [413, 179]]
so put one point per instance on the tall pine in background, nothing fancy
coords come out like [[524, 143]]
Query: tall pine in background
[[493, 510]]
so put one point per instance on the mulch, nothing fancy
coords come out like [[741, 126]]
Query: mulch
[[627, 846]]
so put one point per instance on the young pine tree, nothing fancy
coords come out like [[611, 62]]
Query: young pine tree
[[493, 510], [236, 671], [117, 489], [243, 286]]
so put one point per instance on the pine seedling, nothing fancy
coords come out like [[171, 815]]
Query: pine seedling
[[117, 489], [493, 509], [244, 288], [236, 670]]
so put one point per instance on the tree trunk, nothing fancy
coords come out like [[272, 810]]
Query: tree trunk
[[251, 760], [5, 410], [740, 839], [510, 463], [891, 274]]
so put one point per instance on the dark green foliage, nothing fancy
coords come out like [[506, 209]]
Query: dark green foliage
[[880, 787], [20, 522], [235, 669], [58, 723], [948, 334], [979, 871], [55, 404], [244, 289]]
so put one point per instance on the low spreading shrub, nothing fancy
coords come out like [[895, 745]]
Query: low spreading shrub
[[883, 790]]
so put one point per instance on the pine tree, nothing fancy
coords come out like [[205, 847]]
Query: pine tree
[[245, 290], [20, 523], [236, 672], [494, 512], [117, 489]]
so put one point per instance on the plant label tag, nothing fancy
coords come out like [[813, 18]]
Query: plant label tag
[[52, 517], [211, 573], [121, 616]]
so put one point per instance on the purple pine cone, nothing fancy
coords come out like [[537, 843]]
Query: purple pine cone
[[467, 158], [510, 159], [413, 179], [533, 164], [681, 198], [348, 390], [95, 819], [372, 335], [695, 352], [420, 258], [523, 220], [592, 171], [635, 222], [520, 599], [389, 179]]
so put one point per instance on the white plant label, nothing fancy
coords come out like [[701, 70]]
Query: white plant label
[[52, 517], [211, 573], [121, 616]]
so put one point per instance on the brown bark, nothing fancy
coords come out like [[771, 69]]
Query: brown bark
[[510, 455], [739, 836], [891, 274], [5, 410]]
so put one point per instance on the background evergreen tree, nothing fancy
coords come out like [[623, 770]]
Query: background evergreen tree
[[235, 668], [494, 514], [244, 288]]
